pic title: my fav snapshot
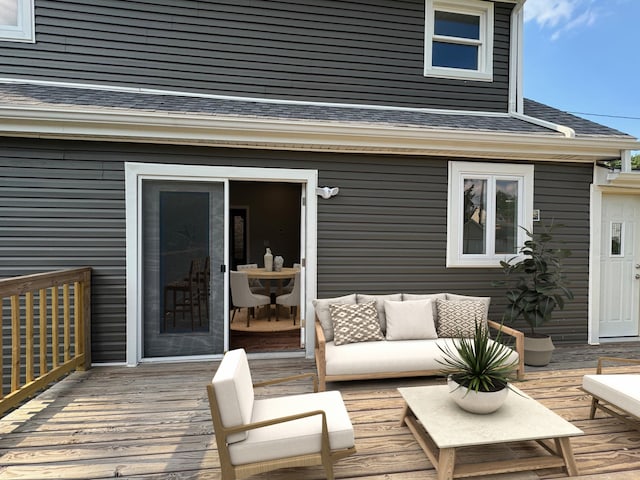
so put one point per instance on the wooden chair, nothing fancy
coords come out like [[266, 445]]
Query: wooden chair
[[303, 430], [189, 295], [617, 394]]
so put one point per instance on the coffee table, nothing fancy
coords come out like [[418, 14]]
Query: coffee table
[[440, 427]]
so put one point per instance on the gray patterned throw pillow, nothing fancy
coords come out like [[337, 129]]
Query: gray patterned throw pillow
[[458, 318], [355, 323]]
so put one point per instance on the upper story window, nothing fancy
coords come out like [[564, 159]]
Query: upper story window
[[459, 39], [488, 203], [16, 20]]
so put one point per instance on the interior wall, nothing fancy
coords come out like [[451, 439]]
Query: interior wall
[[273, 218]]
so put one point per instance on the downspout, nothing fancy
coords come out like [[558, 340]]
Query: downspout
[[516, 98]]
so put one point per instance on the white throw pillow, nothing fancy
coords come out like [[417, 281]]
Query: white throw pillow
[[410, 320]]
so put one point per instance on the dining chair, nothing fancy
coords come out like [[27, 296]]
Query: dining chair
[[289, 286], [255, 285], [291, 299], [243, 297], [189, 295]]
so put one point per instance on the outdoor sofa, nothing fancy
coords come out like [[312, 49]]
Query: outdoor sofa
[[362, 336]]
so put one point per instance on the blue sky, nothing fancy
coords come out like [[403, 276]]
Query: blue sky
[[584, 56]]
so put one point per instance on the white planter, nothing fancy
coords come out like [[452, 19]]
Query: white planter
[[476, 402]]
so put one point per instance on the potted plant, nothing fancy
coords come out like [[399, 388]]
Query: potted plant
[[538, 287], [478, 370]]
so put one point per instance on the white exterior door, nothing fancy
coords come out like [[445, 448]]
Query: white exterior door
[[620, 266]]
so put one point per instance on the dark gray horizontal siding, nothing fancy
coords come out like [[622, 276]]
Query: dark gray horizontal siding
[[385, 232], [356, 51]]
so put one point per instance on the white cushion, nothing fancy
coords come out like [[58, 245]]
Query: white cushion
[[380, 299], [621, 390], [321, 307], [410, 320], [233, 387], [298, 437], [431, 296], [388, 357]]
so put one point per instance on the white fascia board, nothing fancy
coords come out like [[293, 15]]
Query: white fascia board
[[162, 128]]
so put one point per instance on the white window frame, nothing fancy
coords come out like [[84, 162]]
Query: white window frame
[[482, 9], [24, 31], [458, 171]]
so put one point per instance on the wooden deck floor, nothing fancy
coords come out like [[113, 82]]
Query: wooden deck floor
[[152, 422]]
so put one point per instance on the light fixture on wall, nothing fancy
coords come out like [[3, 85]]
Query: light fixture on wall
[[327, 192]]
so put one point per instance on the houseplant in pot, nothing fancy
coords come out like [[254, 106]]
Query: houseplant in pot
[[478, 370], [537, 288]]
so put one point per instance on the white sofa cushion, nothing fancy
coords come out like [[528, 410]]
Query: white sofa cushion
[[621, 390], [430, 296], [321, 307], [355, 323], [410, 320], [383, 357], [298, 437], [233, 387], [380, 299]]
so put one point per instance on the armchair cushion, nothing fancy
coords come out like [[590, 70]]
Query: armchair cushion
[[410, 320], [297, 437], [355, 323], [233, 386], [621, 390], [321, 307]]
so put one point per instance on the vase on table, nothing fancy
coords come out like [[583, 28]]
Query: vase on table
[[268, 260]]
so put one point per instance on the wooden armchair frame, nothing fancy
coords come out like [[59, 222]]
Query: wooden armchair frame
[[597, 403], [326, 457]]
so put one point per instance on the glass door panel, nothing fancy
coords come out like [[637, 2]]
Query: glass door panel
[[183, 248]]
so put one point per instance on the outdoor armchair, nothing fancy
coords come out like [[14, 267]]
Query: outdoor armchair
[[259, 435], [617, 394]]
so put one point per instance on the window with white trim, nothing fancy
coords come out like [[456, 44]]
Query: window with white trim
[[459, 39], [488, 203], [16, 20]]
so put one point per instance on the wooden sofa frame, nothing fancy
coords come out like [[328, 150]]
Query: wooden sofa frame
[[320, 355]]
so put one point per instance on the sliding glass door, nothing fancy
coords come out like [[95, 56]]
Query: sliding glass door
[[182, 253]]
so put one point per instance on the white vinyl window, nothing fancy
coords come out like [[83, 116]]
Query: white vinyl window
[[17, 20], [488, 205], [459, 39]]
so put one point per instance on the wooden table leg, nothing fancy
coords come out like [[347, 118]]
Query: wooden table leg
[[563, 446], [446, 463]]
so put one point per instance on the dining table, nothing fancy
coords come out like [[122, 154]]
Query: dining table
[[268, 275]]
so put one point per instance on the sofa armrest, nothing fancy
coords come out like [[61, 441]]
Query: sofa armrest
[[320, 354], [519, 340], [602, 360]]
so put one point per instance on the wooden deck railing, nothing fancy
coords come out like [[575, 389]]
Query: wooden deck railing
[[48, 319]]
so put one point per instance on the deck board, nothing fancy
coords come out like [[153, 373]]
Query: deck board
[[152, 422]]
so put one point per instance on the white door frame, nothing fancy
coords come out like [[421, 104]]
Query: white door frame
[[136, 172], [627, 184]]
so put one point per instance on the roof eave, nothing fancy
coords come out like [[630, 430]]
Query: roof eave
[[283, 134]]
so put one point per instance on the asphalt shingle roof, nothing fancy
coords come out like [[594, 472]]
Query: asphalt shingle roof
[[48, 96]]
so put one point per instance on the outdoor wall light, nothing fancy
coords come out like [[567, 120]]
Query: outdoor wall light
[[327, 192]]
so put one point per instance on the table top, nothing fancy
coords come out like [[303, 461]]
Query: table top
[[520, 418], [286, 272]]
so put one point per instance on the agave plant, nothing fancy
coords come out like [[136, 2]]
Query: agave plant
[[477, 362]]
